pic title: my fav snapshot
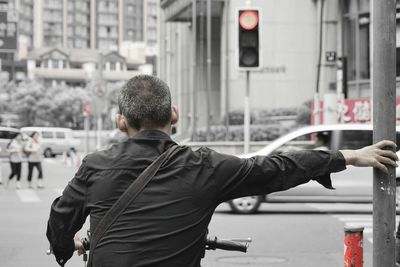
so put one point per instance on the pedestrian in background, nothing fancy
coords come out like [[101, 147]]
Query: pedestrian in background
[[34, 151], [323, 140], [71, 157], [15, 148]]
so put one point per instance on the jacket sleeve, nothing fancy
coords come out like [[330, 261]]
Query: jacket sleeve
[[260, 175], [67, 216]]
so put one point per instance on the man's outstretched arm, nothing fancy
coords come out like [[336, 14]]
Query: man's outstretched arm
[[372, 156], [266, 174]]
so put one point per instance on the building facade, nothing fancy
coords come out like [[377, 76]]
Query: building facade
[[311, 50], [98, 25]]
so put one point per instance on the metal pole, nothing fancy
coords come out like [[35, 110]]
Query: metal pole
[[13, 66], [86, 126], [227, 69], [247, 114], [99, 108], [201, 82], [384, 119], [179, 76], [193, 76], [99, 130], [316, 95], [209, 65]]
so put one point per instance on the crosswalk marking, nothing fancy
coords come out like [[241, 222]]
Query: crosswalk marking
[[27, 195], [352, 219]]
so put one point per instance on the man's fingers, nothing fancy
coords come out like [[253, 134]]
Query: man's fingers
[[385, 143], [389, 154], [381, 167], [387, 161]]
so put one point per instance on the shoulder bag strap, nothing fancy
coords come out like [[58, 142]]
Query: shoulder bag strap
[[127, 198]]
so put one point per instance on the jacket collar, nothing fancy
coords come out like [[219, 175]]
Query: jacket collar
[[151, 135]]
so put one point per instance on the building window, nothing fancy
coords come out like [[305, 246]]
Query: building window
[[55, 64], [364, 23], [113, 66], [356, 37], [356, 42]]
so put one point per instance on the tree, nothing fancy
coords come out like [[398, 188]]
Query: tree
[[58, 106], [25, 100]]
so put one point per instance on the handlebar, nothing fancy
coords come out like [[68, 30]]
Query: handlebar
[[227, 244], [211, 243]]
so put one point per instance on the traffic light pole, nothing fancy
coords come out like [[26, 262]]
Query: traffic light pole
[[384, 120], [193, 74], [209, 66], [247, 114]]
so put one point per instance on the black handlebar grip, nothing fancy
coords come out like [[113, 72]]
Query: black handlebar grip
[[86, 243], [225, 245]]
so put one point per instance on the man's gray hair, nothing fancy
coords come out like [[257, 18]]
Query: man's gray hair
[[145, 101]]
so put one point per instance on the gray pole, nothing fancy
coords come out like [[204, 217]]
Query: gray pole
[[227, 69], [99, 109], [86, 126], [247, 114], [384, 110], [317, 110], [208, 67], [193, 76]]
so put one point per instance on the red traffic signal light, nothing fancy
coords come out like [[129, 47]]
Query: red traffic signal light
[[248, 39], [248, 19]]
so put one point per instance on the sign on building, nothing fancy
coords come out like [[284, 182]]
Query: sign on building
[[8, 31], [357, 110]]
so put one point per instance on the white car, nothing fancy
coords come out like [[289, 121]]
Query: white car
[[352, 185]]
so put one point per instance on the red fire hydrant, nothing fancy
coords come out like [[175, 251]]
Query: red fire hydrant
[[353, 247]]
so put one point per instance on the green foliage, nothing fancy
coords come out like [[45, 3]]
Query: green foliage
[[60, 106], [236, 117], [236, 133], [266, 125], [304, 114]]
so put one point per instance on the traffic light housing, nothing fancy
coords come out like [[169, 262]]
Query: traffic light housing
[[249, 38]]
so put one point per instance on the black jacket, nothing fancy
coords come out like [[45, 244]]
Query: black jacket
[[166, 224]]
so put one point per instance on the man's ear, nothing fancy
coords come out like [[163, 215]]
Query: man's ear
[[121, 122], [174, 115]]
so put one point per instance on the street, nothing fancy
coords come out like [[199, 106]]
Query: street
[[306, 235]]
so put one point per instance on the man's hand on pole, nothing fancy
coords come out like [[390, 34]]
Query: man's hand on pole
[[372, 156]]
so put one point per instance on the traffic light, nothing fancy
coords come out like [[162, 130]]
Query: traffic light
[[249, 40]]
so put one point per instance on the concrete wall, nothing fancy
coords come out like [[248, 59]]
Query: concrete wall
[[289, 43], [175, 65]]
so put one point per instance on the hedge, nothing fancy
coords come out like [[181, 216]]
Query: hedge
[[264, 124], [236, 133]]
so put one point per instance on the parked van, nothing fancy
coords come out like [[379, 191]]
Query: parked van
[[54, 140]]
